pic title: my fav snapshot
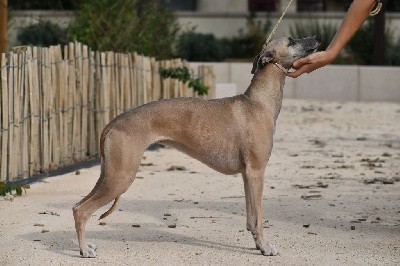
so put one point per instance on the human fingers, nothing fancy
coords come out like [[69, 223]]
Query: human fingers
[[301, 62], [297, 73]]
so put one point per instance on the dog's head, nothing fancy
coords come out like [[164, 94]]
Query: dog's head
[[285, 51]]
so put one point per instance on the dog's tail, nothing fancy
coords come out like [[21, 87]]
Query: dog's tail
[[113, 207]]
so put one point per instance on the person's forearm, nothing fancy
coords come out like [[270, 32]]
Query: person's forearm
[[356, 15]]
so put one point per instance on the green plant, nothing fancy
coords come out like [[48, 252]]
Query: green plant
[[361, 46], [43, 33], [6, 188], [194, 46], [393, 53], [183, 74], [147, 27], [248, 44], [205, 47]]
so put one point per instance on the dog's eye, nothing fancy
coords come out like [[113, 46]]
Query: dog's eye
[[291, 41]]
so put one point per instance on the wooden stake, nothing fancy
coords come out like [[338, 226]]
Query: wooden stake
[[4, 166]]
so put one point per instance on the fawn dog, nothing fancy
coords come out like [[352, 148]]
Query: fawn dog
[[231, 135]]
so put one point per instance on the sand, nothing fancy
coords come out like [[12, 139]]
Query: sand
[[331, 197]]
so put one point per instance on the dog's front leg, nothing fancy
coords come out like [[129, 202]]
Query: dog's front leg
[[254, 183]]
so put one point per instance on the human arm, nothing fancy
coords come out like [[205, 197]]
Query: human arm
[[355, 17]]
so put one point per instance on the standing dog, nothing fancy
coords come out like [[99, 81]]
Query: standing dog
[[231, 135]]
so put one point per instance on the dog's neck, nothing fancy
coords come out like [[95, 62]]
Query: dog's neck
[[266, 88]]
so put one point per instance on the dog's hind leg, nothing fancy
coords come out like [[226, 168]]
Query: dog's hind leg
[[119, 167], [104, 194]]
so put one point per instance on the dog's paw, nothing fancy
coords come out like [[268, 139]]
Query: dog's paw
[[92, 246], [90, 251], [268, 250]]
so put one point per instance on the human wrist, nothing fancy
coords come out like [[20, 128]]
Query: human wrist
[[331, 54]]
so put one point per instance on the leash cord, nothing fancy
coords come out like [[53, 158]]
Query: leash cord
[[278, 22]]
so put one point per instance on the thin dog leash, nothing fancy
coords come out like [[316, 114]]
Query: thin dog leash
[[278, 22]]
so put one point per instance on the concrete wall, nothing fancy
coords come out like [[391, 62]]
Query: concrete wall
[[336, 83], [221, 24]]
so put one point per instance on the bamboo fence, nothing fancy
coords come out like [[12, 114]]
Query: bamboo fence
[[55, 102]]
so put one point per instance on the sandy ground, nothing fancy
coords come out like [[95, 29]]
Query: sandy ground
[[326, 202]]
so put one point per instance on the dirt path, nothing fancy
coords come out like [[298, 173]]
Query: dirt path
[[332, 197]]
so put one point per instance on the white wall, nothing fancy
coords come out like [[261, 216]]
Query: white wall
[[336, 83], [222, 6], [221, 24]]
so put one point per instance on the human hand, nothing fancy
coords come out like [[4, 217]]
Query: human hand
[[310, 63]]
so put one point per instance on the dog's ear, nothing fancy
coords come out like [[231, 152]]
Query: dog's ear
[[261, 60]]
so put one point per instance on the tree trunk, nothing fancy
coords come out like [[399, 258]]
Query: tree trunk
[[378, 57], [3, 26]]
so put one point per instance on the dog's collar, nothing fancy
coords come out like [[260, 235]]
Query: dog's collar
[[282, 68]]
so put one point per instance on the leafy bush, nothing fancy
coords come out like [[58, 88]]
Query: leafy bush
[[148, 27], [43, 33], [183, 74], [6, 188], [200, 47], [205, 47], [361, 46], [248, 44], [393, 53]]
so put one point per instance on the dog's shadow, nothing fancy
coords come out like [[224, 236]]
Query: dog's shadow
[[285, 209], [64, 242]]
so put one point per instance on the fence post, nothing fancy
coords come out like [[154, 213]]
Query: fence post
[[91, 105], [4, 128]]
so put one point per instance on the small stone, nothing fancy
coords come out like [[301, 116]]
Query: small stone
[[172, 226], [353, 227], [41, 225], [306, 225], [136, 225], [177, 168], [102, 223]]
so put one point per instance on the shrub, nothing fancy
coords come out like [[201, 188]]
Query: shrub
[[361, 45], [248, 44], [183, 74], [393, 53], [147, 27], [200, 47], [43, 33], [205, 47]]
